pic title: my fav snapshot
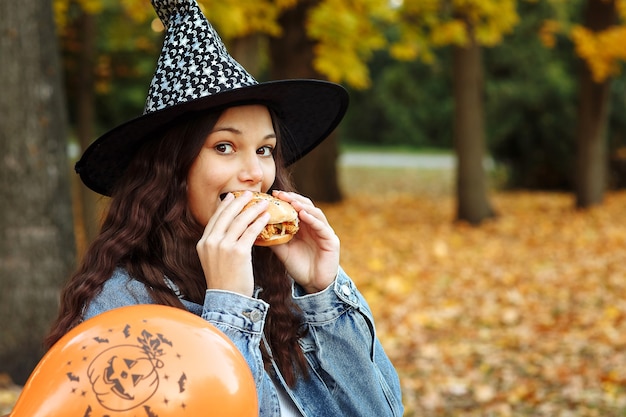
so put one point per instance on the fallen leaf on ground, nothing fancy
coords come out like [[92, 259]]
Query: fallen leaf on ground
[[522, 316]]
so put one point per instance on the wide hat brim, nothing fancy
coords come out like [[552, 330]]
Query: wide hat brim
[[309, 111]]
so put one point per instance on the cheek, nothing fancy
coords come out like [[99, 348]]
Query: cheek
[[199, 205], [269, 176], [202, 193]]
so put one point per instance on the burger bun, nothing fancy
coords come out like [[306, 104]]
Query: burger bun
[[283, 222]]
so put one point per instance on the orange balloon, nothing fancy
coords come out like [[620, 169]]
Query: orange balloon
[[143, 361]]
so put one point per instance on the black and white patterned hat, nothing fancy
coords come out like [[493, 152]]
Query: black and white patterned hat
[[196, 73]]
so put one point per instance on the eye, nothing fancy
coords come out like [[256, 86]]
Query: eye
[[225, 148], [265, 150]]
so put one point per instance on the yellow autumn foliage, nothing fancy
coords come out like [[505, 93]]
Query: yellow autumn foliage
[[345, 39], [449, 33], [238, 18], [602, 51], [59, 9], [138, 10], [90, 6], [347, 32], [620, 6], [413, 45], [490, 19], [429, 24], [548, 31]]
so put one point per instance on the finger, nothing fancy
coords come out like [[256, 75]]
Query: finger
[[292, 197], [250, 221], [244, 227], [226, 212], [310, 210], [316, 220], [225, 200], [300, 202], [303, 204], [231, 221], [254, 229]]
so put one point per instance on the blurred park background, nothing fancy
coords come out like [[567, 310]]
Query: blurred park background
[[497, 278]]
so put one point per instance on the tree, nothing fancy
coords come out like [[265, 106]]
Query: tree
[[469, 134], [599, 42], [593, 114], [291, 56], [36, 232], [466, 26], [96, 68], [79, 39]]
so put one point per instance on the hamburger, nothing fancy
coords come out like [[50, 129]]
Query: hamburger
[[283, 223]]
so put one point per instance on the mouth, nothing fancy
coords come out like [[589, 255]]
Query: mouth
[[223, 195]]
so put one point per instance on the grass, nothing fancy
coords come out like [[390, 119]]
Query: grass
[[356, 147], [358, 180]]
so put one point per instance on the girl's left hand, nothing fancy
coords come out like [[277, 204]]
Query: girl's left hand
[[312, 256]]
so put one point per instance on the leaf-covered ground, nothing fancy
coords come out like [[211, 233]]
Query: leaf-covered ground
[[522, 316]]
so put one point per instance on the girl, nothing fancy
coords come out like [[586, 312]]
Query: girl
[[174, 234]]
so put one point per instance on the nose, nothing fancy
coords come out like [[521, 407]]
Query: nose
[[251, 170]]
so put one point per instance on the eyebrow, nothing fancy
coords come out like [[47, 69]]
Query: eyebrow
[[239, 132]]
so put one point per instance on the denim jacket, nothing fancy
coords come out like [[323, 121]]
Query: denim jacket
[[350, 374]]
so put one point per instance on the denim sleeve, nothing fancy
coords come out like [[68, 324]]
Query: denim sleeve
[[345, 353], [242, 319]]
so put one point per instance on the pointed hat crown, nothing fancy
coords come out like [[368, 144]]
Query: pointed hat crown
[[194, 62]]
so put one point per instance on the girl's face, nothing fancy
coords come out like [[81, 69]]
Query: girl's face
[[237, 155]]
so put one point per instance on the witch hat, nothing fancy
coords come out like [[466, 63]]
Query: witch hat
[[196, 73]]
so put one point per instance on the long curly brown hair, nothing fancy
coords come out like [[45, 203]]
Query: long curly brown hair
[[149, 231]]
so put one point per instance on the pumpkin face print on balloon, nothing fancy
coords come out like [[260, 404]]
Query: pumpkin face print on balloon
[[125, 376], [141, 361]]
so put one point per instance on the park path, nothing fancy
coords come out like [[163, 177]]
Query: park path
[[404, 160], [399, 160]]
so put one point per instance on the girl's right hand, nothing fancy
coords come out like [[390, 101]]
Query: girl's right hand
[[225, 248]]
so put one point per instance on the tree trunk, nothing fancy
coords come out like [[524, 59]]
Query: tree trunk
[[36, 236], [469, 135], [315, 175], [593, 113], [85, 118], [247, 51]]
